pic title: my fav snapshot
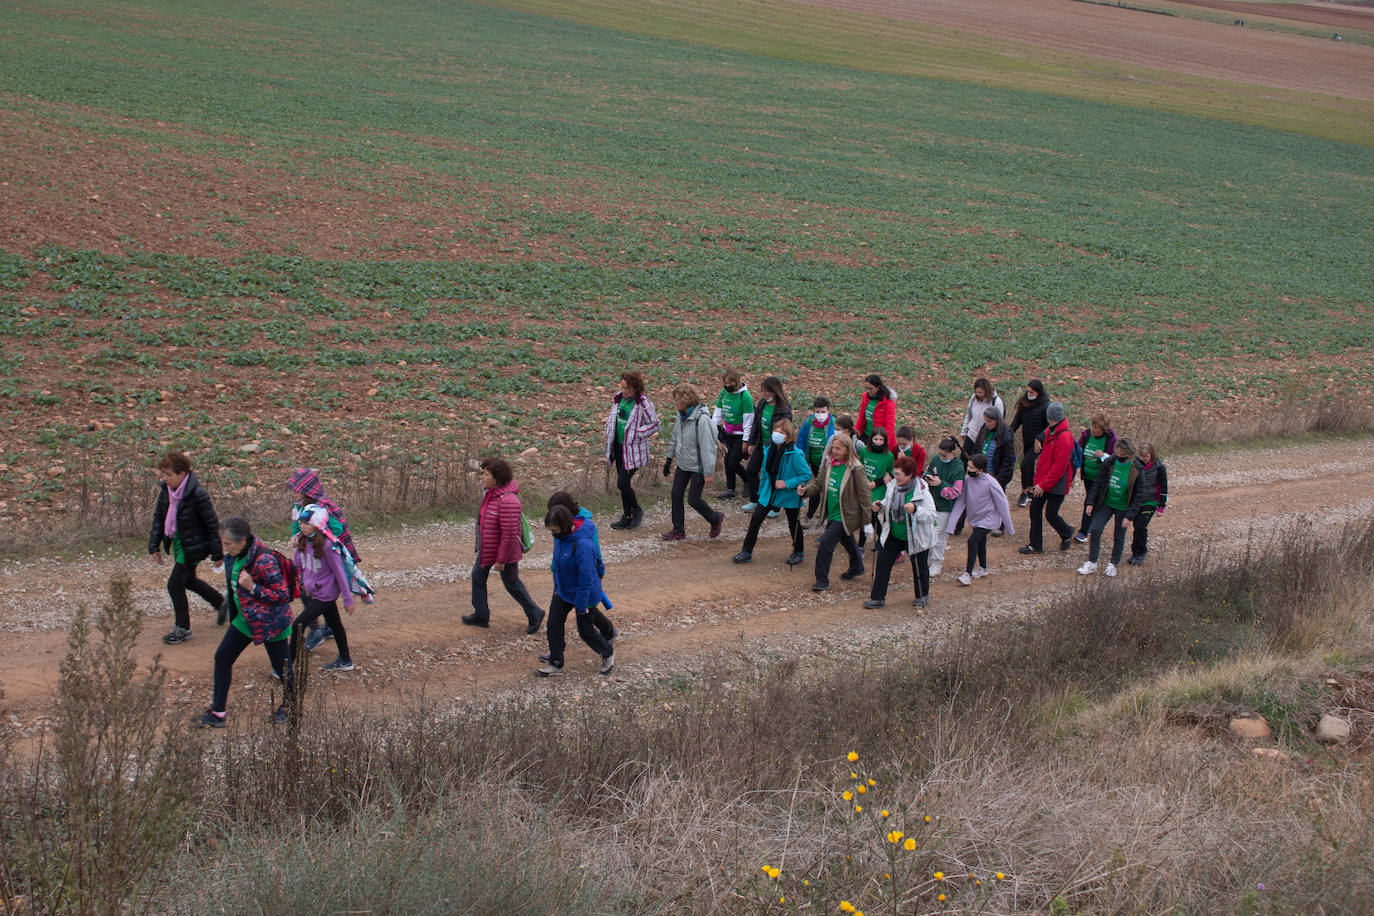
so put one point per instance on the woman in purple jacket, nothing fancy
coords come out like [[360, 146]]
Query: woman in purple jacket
[[323, 582], [982, 498]]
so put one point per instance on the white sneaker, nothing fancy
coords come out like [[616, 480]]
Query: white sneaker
[[1081, 538], [1088, 568], [608, 663], [1111, 569], [964, 579], [980, 572], [934, 571]]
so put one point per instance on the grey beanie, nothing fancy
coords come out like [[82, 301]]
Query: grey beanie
[[1054, 413]]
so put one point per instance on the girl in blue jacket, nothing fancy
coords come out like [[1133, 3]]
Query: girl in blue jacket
[[784, 469], [576, 588]]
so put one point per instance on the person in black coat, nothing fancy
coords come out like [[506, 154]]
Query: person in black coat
[[995, 441], [185, 526], [1030, 419], [770, 406]]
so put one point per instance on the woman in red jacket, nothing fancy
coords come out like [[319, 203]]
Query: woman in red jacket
[[499, 546], [1053, 477], [877, 409]]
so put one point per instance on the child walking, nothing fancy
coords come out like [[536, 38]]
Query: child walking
[[576, 589], [323, 583], [812, 440], [985, 504], [1154, 485], [784, 470]]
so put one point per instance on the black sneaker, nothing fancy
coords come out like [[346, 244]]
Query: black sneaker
[[1028, 550], [621, 523], [473, 620], [280, 715], [534, 625], [550, 670], [874, 602], [921, 602], [820, 587], [1022, 501], [726, 494], [222, 614], [1066, 543], [636, 519], [339, 664], [208, 719], [178, 634], [743, 556], [796, 557], [852, 573]]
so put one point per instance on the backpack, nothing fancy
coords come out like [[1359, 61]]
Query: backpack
[[289, 574], [1076, 457], [526, 534]]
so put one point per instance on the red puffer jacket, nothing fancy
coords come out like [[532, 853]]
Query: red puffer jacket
[[884, 417], [498, 526], [1054, 467]]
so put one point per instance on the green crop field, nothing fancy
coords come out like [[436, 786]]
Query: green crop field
[[377, 225]]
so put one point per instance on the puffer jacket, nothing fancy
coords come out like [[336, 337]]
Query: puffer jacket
[[575, 576], [884, 417], [498, 526], [793, 471], [1135, 486], [266, 607], [197, 524]]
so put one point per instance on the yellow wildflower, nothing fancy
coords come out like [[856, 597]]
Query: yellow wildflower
[[927, 818], [1001, 877], [859, 809], [846, 906], [853, 756], [873, 782], [909, 845], [941, 898], [939, 876], [848, 795], [885, 813], [861, 788]]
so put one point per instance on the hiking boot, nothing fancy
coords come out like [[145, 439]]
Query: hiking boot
[[820, 587], [743, 556], [473, 620], [717, 524], [673, 535], [534, 625], [964, 579], [549, 670], [621, 523], [980, 572], [280, 716], [608, 664], [921, 602], [339, 664], [212, 719], [796, 557], [874, 602], [852, 573], [1110, 571], [1081, 538], [178, 634], [1088, 568], [726, 494], [1028, 550], [636, 518]]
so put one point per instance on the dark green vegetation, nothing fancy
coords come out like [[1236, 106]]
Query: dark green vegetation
[[470, 212]]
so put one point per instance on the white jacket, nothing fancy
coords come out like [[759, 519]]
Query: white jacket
[[973, 414], [920, 525]]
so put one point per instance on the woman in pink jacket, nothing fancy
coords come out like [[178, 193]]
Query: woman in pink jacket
[[499, 545]]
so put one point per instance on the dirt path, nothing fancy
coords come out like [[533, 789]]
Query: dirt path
[[677, 606]]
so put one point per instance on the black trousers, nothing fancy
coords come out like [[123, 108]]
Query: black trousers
[[734, 451], [887, 559], [183, 577], [510, 578], [835, 536], [594, 632], [689, 484], [312, 612], [629, 502], [816, 497], [751, 537], [1083, 522], [977, 548], [1045, 507], [752, 470], [231, 647], [1140, 533], [1028, 461], [1100, 517]]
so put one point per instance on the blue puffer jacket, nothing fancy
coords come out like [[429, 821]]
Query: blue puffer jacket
[[575, 576], [793, 471]]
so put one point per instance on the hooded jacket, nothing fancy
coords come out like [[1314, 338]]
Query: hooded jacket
[[306, 482], [498, 526], [641, 425], [793, 471], [575, 576], [266, 607], [693, 441], [197, 525], [920, 524], [1054, 468], [985, 504], [884, 416]]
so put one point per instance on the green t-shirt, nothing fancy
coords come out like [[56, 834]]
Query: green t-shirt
[[833, 482], [899, 523], [815, 443], [238, 622], [622, 417], [876, 466], [1118, 486], [868, 415], [766, 418], [1091, 463], [734, 405], [178, 554]]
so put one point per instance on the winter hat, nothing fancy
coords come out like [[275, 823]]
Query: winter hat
[[315, 516], [1054, 413]]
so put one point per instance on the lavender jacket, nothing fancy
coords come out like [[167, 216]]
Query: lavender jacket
[[985, 504], [642, 424], [323, 578]]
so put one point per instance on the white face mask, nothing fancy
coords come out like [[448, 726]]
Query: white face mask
[[822, 415], [778, 438], [1031, 395]]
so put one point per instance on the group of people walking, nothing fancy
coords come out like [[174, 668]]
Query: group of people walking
[[866, 483]]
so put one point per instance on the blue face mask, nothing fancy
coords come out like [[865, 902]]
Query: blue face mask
[[778, 438]]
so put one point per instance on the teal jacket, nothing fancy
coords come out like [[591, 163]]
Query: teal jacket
[[794, 472]]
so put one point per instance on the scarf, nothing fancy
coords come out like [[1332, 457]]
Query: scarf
[[169, 526], [896, 512]]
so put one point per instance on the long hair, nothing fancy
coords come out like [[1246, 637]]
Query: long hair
[[1039, 388], [559, 521], [315, 540], [877, 382], [842, 439], [773, 385]]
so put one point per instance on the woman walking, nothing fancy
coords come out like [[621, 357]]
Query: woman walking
[[576, 589], [784, 469], [323, 582], [259, 601], [984, 398], [985, 504], [814, 437], [771, 406], [1030, 419], [1154, 484], [692, 447], [877, 460], [629, 427], [1053, 477], [499, 546], [994, 441], [734, 415], [1116, 497], [847, 508], [185, 525], [582, 518], [907, 514], [877, 409], [1098, 442], [945, 477]]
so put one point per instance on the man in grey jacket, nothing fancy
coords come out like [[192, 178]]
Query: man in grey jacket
[[693, 448]]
